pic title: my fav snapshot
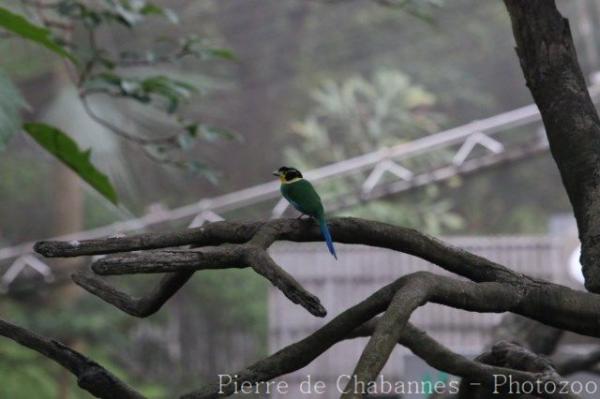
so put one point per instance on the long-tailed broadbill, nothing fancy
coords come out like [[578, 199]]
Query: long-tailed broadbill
[[302, 195]]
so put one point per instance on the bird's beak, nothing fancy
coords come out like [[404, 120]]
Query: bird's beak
[[276, 173]]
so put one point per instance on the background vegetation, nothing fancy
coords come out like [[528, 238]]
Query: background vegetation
[[270, 81]]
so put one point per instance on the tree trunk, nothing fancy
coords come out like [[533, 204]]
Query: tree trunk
[[549, 62]]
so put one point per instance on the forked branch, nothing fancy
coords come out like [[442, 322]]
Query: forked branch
[[492, 288], [400, 299]]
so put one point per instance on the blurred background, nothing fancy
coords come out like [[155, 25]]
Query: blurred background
[[314, 84]]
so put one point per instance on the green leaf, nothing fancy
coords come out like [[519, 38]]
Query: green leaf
[[212, 133], [192, 129], [222, 53], [172, 91], [166, 91], [151, 9], [11, 102], [204, 170], [193, 45], [20, 26], [65, 149], [185, 141]]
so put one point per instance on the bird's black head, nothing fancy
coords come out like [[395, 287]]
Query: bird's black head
[[287, 174]]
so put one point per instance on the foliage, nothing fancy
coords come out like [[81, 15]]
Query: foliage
[[25, 374], [64, 148], [100, 71], [75, 320], [361, 115], [357, 116], [19, 26], [138, 79], [250, 289]]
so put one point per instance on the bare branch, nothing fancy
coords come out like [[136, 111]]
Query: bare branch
[[90, 375], [264, 265], [514, 356], [257, 236], [165, 261], [415, 288], [301, 353], [170, 139], [548, 303], [207, 235], [138, 307], [439, 357], [421, 288], [344, 230], [387, 332], [222, 257], [495, 287]]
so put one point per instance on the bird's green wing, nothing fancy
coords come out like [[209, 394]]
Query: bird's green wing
[[303, 197]]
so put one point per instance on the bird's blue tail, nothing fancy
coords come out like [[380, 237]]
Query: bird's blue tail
[[327, 235]]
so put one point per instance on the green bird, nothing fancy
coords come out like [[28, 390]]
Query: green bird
[[302, 195]]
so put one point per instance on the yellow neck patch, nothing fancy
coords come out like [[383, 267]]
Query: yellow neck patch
[[294, 180]]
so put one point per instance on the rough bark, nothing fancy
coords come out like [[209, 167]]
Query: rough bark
[[549, 303], [391, 329], [492, 288], [512, 356], [549, 62]]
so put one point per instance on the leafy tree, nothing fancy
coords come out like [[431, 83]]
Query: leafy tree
[[72, 30], [359, 115]]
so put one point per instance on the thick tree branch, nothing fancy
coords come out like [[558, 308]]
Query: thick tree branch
[[549, 62], [138, 307], [301, 353], [387, 332], [90, 375], [516, 357], [207, 235], [494, 288], [422, 288], [222, 257], [549, 303], [252, 239], [166, 261], [344, 230], [418, 288], [441, 358]]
